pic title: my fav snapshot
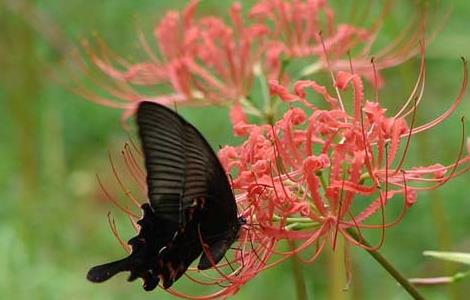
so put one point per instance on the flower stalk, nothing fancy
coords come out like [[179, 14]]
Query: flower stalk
[[403, 281], [299, 278]]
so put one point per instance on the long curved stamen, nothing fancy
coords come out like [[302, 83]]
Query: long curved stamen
[[455, 165], [445, 115], [419, 83], [112, 225], [338, 215], [136, 172], [315, 255], [146, 47], [382, 201], [376, 80], [114, 201], [134, 146], [279, 155], [325, 53], [133, 223], [367, 150], [123, 188], [408, 139]]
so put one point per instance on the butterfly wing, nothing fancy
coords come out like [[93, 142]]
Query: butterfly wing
[[181, 166], [168, 156]]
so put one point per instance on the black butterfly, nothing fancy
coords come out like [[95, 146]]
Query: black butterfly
[[190, 204]]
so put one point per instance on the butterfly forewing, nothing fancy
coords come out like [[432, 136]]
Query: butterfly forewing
[[176, 161]]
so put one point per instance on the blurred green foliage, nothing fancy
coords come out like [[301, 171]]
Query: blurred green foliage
[[52, 143]]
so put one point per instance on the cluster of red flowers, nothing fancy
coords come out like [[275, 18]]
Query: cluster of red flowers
[[327, 166], [209, 61]]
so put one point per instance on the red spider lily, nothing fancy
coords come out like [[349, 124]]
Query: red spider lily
[[206, 60], [304, 178], [201, 60], [312, 175], [298, 26]]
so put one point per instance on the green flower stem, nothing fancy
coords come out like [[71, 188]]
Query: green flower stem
[[299, 223], [299, 279], [322, 180], [299, 226], [310, 70], [388, 267], [460, 276], [295, 220], [249, 108], [268, 103]]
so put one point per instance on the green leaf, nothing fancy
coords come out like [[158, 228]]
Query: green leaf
[[460, 257]]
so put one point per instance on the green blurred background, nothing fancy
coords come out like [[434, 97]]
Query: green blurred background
[[53, 142]]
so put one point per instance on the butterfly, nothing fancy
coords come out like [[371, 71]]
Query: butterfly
[[190, 204]]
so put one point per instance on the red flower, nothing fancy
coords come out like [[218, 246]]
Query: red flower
[[315, 173], [297, 26], [303, 179], [208, 61], [307, 28], [200, 60]]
